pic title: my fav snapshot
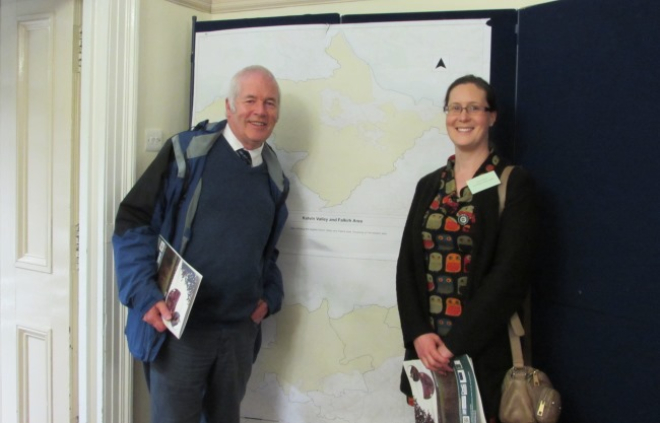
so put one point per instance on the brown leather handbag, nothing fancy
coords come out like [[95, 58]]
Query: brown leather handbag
[[527, 393]]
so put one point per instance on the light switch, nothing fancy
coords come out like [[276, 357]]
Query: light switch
[[154, 139]]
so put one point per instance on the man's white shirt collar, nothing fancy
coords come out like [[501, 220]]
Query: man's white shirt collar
[[236, 145]]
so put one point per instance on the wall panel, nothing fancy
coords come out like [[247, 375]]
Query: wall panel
[[35, 135], [34, 375]]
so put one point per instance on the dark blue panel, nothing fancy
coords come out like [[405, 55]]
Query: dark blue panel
[[605, 366], [587, 113], [587, 119]]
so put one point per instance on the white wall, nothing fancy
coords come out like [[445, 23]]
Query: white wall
[[164, 71]]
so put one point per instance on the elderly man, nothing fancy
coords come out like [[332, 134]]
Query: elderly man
[[227, 228]]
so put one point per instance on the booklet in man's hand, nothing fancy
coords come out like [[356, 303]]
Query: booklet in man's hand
[[179, 282], [452, 398]]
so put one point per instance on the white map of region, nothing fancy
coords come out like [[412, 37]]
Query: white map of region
[[361, 121]]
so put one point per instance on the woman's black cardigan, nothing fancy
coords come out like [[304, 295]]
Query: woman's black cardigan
[[502, 259]]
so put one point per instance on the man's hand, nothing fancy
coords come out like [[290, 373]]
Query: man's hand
[[260, 312], [433, 353], [156, 314]]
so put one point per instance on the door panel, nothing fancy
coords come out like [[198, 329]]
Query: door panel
[[38, 215]]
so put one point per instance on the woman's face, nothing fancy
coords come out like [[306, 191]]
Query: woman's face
[[468, 130]]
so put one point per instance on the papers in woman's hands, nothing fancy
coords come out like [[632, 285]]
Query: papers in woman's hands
[[453, 398]]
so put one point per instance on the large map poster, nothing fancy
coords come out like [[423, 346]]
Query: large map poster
[[361, 121]]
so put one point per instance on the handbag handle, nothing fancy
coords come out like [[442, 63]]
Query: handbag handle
[[516, 330], [501, 189]]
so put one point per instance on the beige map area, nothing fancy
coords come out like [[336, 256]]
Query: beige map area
[[311, 346], [346, 133]]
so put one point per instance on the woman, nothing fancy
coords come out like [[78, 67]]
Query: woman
[[463, 269]]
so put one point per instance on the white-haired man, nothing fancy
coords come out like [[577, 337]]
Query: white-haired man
[[227, 228]]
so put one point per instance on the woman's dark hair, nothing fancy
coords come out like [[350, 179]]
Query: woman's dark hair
[[480, 83]]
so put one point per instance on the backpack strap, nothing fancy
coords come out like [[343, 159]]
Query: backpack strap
[[186, 148]]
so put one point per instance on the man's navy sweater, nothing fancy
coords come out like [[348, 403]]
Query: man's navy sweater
[[231, 228]]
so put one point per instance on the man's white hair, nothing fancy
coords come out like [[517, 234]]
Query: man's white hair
[[235, 83]]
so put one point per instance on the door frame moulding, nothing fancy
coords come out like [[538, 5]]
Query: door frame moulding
[[109, 74]]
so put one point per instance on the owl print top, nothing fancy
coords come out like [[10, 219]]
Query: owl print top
[[447, 235]]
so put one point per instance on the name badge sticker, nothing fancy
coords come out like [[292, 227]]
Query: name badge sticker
[[483, 182]]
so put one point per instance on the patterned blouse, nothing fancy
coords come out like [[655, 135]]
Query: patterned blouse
[[447, 232]]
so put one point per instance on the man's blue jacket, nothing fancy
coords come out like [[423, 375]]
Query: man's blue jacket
[[163, 202]]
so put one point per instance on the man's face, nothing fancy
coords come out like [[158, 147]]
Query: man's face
[[257, 110]]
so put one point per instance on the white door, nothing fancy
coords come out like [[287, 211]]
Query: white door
[[38, 211]]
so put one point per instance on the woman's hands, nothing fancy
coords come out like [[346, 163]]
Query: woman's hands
[[433, 353]]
